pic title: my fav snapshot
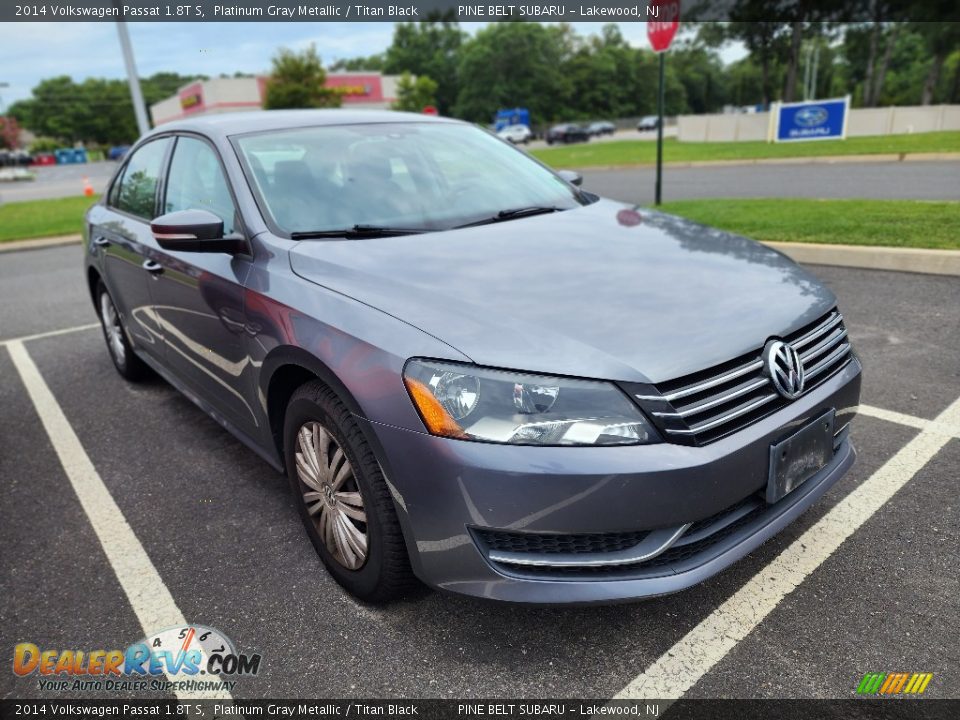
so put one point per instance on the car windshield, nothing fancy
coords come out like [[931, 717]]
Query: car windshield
[[415, 176]]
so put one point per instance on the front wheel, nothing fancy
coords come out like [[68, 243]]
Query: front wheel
[[343, 497]]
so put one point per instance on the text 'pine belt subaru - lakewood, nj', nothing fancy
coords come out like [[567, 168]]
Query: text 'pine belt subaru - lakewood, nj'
[[473, 371]]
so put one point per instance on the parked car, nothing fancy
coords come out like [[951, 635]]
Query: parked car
[[567, 133], [471, 370], [601, 128], [650, 122], [516, 134], [15, 158], [118, 152]]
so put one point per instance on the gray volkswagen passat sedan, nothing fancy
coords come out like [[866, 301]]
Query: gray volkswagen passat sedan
[[473, 371]]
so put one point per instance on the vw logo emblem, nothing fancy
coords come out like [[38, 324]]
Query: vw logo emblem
[[783, 365]]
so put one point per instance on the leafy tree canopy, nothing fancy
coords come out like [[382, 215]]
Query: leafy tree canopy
[[413, 95], [297, 80]]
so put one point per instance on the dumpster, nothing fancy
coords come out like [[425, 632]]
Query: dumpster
[[70, 156]]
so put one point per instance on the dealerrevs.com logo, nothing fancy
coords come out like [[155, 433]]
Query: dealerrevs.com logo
[[897, 683], [191, 657]]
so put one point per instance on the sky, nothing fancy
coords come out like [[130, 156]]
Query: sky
[[31, 52]]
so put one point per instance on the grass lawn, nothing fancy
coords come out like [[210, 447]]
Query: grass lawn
[[642, 152], [894, 223], [43, 218]]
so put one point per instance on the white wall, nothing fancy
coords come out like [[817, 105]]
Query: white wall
[[862, 122]]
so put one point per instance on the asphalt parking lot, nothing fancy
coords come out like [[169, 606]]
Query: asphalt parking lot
[[877, 589]]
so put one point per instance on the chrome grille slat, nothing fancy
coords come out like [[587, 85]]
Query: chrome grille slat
[[704, 409], [828, 361], [825, 344], [742, 410], [832, 321], [700, 387], [739, 391]]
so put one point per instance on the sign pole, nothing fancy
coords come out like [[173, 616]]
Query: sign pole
[[661, 33], [660, 96]]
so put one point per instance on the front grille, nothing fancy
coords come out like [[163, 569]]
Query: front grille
[[703, 407]]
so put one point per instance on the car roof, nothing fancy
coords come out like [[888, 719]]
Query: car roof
[[235, 123]]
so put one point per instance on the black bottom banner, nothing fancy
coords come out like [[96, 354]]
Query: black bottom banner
[[919, 709]]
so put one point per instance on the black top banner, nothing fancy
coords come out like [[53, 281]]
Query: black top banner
[[487, 709], [601, 11]]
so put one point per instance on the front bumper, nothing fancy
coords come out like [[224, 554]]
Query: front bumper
[[448, 492]]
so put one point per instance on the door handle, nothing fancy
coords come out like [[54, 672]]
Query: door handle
[[101, 241], [152, 266]]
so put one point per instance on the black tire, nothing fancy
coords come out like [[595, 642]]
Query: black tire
[[126, 361], [385, 574]]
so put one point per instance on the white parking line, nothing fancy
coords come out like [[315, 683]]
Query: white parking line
[[682, 666], [50, 333], [909, 420], [151, 600]]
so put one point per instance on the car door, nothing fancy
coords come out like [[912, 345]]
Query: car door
[[198, 296], [121, 232]]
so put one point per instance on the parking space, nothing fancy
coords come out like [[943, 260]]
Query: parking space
[[220, 530]]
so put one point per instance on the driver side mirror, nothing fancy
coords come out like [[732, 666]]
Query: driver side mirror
[[195, 231], [571, 176]]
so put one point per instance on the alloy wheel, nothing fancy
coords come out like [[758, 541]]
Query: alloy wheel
[[331, 495], [112, 328]]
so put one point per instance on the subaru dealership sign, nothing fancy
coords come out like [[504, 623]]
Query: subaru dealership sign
[[813, 120]]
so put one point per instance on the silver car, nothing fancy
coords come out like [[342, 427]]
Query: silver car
[[473, 371]]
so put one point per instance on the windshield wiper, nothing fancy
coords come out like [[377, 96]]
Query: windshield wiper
[[357, 231], [513, 214]]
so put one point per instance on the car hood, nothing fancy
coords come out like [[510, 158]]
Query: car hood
[[588, 292]]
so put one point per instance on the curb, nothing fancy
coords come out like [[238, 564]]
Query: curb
[[915, 260], [815, 160], [39, 243]]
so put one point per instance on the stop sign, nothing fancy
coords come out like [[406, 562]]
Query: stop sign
[[662, 30]]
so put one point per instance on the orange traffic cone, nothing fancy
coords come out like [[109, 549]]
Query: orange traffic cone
[[87, 187]]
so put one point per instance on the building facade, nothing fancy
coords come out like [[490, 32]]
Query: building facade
[[360, 89]]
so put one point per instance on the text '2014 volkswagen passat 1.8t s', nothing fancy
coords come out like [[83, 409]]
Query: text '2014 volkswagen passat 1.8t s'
[[472, 371]]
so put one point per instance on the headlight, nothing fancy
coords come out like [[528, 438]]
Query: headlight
[[471, 403]]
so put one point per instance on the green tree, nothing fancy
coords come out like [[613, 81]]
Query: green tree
[[96, 110], [413, 95], [513, 64], [373, 63], [705, 81], [430, 48], [297, 80], [940, 39], [600, 72]]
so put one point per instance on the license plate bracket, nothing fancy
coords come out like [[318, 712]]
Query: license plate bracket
[[799, 457]]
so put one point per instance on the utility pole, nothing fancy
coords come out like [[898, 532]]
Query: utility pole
[[136, 95], [2, 106]]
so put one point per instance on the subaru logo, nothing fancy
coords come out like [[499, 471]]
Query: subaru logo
[[783, 365], [811, 116]]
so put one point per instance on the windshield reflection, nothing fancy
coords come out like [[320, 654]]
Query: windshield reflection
[[417, 175]]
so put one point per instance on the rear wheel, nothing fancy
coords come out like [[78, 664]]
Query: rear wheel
[[343, 498], [124, 359]]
